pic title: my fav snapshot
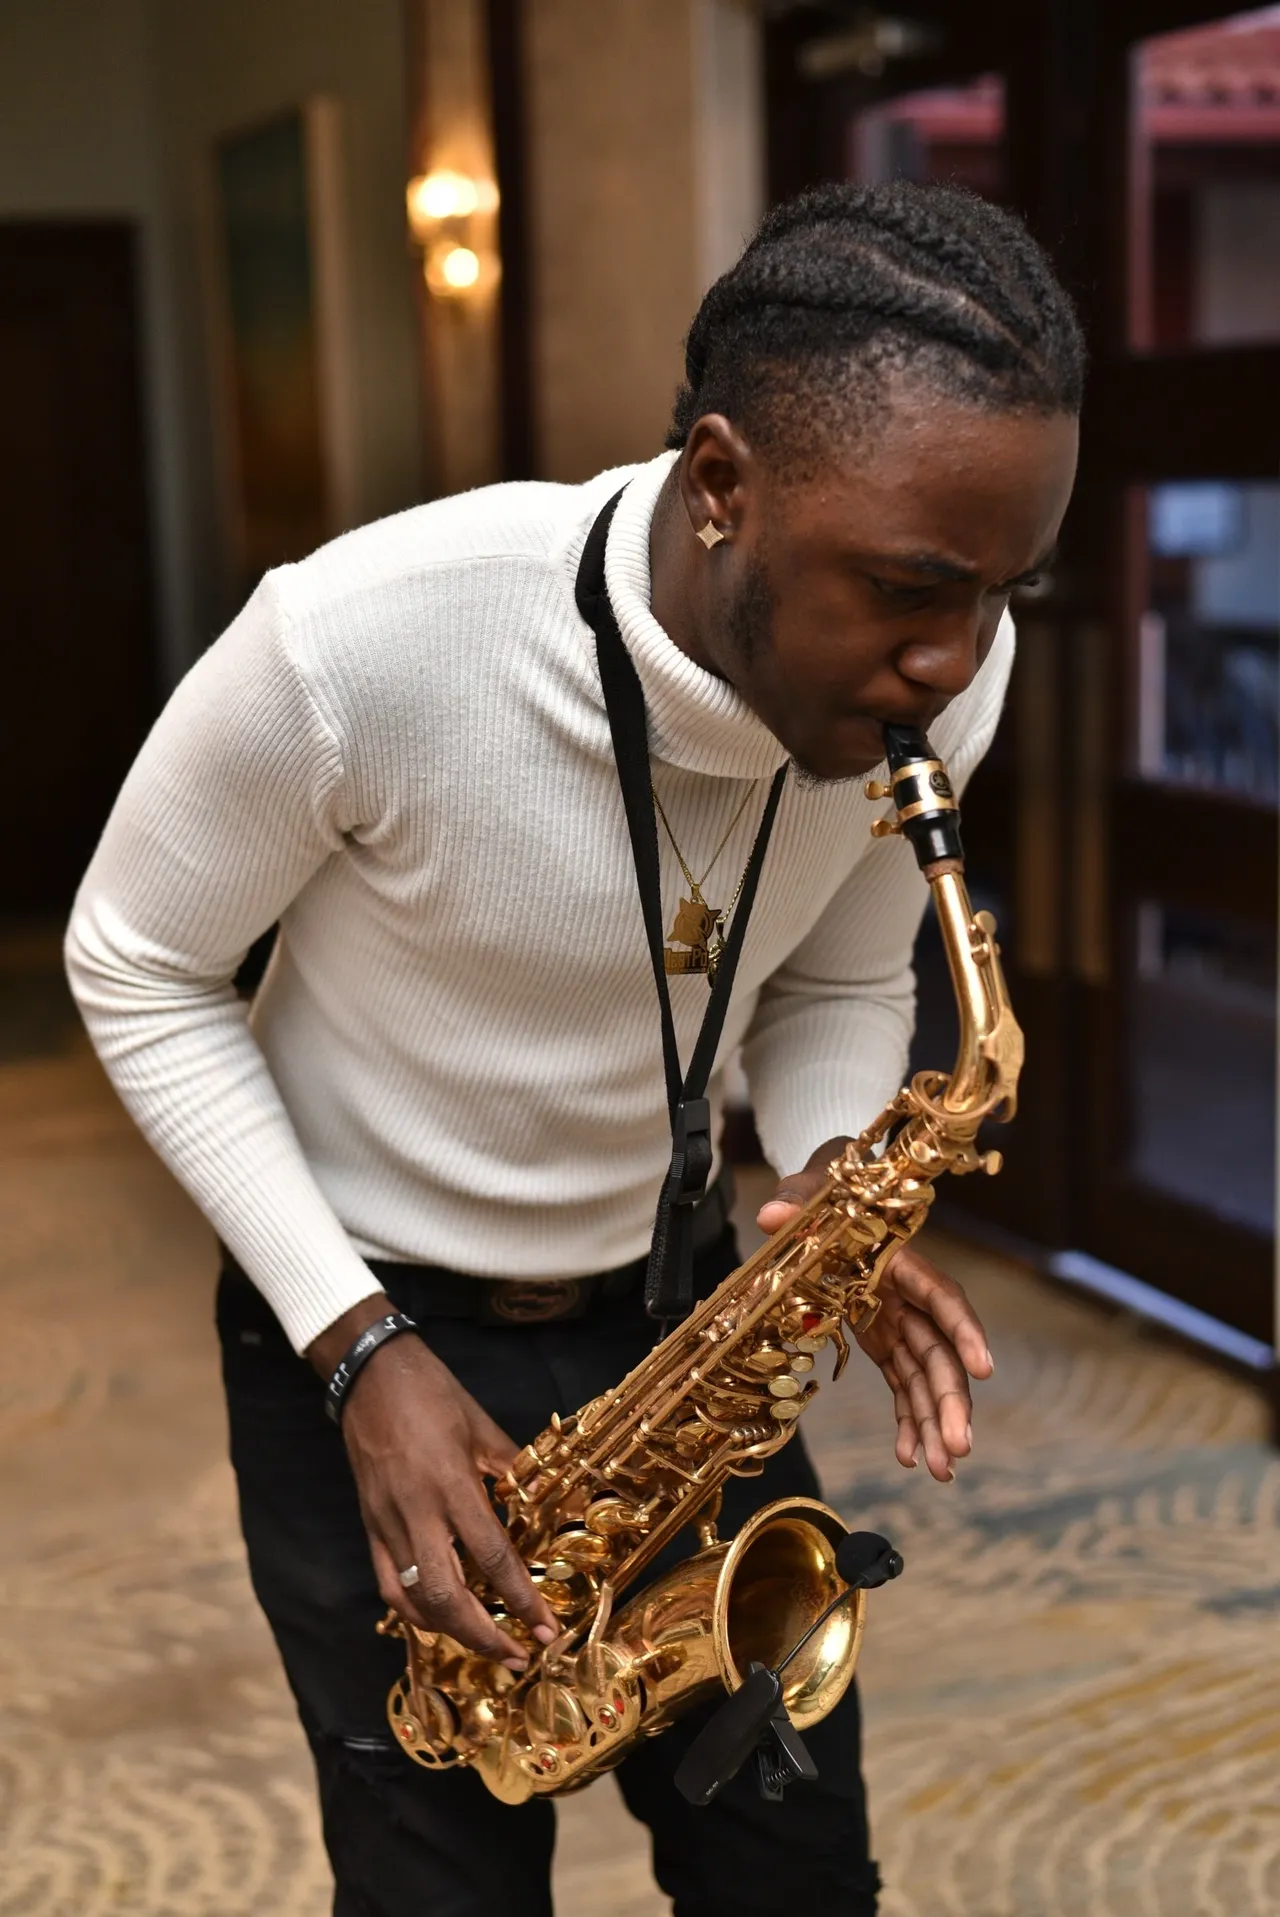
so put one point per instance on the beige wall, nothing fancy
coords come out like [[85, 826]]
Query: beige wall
[[645, 156], [461, 336], [225, 66], [112, 107], [75, 108], [646, 174], [611, 103], [728, 130], [77, 140]]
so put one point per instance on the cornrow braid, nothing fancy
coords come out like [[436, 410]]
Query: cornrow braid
[[845, 283]]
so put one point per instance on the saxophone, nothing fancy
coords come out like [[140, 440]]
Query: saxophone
[[594, 1499]]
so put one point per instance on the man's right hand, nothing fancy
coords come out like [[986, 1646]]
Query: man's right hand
[[420, 1447]]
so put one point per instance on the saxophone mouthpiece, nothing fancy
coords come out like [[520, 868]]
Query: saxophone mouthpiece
[[927, 810]]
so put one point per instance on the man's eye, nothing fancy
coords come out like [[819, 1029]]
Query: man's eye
[[893, 589]]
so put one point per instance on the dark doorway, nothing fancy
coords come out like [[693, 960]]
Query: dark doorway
[[74, 550]]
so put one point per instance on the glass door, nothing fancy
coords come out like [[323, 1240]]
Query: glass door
[[1124, 825], [956, 132], [1178, 975]]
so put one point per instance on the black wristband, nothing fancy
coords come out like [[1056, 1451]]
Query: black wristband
[[358, 1357]]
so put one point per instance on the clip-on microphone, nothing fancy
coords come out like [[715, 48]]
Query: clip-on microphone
[[755, 1718]]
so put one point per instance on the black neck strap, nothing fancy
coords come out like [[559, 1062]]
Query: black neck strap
[[669, 1284]]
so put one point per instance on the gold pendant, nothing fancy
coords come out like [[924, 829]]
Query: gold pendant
[[697, 926]]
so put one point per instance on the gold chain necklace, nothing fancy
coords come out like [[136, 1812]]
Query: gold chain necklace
[[697, 925]]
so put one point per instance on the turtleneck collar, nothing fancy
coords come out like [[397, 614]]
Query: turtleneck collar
[[696, 721]]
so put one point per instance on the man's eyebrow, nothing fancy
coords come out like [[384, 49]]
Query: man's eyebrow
[[924, 565], [934, 568]]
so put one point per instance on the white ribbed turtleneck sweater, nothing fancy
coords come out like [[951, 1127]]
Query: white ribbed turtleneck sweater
[[400, 750]]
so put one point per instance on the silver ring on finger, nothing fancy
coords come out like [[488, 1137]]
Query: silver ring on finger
[[409, 1576]]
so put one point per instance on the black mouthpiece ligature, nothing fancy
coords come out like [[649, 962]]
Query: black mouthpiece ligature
[[928, 813]]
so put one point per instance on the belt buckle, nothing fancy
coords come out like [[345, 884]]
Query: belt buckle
[[532, 1301]]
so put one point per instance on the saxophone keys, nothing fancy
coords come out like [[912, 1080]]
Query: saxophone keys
[[785, 1387], [600, 1668], [423, 1720], [607, 1517], [814, 1329], [658, 1664], [784, 1410], [582, 1549], [564, 1593], [801, 1362], [553, 1714], [765, 1360]]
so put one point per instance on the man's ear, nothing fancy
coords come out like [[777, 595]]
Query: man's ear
[[717, 468]]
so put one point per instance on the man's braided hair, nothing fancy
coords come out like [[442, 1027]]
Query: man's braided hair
[[847, 284]]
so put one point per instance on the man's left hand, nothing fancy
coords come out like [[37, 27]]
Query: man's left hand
[[926, 1337]]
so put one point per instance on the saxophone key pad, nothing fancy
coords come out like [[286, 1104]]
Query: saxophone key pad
[[766, 1359]]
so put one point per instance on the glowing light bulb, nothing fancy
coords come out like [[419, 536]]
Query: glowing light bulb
[[452, 270], [447, 195], [460, 267], [443, 194]]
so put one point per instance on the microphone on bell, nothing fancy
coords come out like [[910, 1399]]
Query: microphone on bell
[[754, 1718], [865, 1561]]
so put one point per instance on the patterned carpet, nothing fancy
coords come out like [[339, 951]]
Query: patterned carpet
[[1073, 1694]]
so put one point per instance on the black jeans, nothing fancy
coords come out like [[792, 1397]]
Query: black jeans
[[404, 1843]]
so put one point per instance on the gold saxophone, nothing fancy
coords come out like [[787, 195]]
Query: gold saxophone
[[594, 1499]]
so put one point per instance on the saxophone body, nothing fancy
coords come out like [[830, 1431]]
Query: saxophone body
[[597, 1496]]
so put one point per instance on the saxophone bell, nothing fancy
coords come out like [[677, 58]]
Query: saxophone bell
[[755, 1718]]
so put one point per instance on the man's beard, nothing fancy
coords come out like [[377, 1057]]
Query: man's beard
[[749, 620], [810, 781], [749, 617]]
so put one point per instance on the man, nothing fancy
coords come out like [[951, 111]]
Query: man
[[452, 1077]]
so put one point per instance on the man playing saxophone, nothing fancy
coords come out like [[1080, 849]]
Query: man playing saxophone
[[448, 1104]]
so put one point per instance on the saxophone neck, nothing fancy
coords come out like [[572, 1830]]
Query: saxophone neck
[[989, 1059]]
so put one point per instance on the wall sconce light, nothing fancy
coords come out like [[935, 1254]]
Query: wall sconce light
[[450, 218], [451, 269]]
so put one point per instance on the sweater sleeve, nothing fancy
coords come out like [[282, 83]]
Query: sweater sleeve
[[233, 804], [828, 1044]]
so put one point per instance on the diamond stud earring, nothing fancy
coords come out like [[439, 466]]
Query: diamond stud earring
[[710, 535]]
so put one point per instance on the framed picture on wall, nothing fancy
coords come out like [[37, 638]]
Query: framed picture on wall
[[287, 373]]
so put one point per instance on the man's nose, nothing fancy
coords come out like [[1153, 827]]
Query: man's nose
[[944, 657]]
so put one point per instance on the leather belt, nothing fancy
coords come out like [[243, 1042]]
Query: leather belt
[[431, 1291]]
